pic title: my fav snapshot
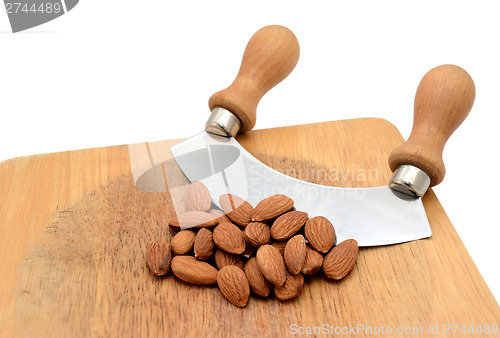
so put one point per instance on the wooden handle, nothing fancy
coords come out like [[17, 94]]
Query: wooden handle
[[444, 98], [271, 54]]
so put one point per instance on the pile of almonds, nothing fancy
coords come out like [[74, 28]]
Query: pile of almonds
[[245, 249]]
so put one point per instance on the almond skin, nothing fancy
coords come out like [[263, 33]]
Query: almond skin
[[295, 254], [233, 285], [320, 234], [183, 242], [220, 216], [259, 285], [223, 258], [192, 219], [236, 208], [272, 207], [313, 261], [341, 260], [198, 197], [288, 224], [229, 238], [292, 287], [204, 245], [271, 264], [258, 233], [158, 257], [193, 271]]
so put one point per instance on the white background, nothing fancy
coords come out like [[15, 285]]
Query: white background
[[119, 71]]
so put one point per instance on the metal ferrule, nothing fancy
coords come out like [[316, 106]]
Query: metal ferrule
[[223, 123], [410, 180]]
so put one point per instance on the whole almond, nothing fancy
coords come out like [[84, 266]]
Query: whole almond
[[288, 224], [204, 245], [236, 208], [229, 238], [223, 258], [259, 285], [198, 197], [233, 284], [192, 219], [295, 254], [271, 264], [292, 287], [272, 207], [193, 271], [158, 257], [313, 261], [280, 245], [183, 242], [258, 233], [220, 216], [320, 234], [341, 260]]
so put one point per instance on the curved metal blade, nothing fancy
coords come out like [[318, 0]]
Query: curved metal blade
[[372, 216]]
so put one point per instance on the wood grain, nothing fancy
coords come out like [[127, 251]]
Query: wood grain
[[32, 190], [74, 231]]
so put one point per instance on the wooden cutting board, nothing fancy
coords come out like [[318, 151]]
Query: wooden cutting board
[[74, 230]]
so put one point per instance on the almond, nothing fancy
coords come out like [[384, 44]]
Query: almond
[[258, 233], [292, 287], [158, 257], [258, 283], [271, 264], [198, 197], [193, 271], [233, 284], [272, 207], [229, 238], [313, 261], [320, 234], [295, 254], [341, 260], [220, 216], [280, 245], [203, 244], [236, 208], [223, 258], [192, 219], [288, 224], [183, 242]]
